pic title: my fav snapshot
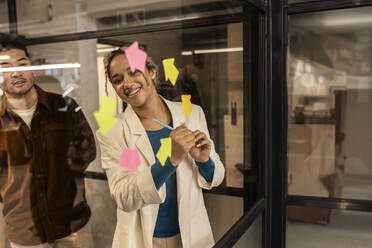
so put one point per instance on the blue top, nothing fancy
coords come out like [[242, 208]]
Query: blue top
[[167, 221]]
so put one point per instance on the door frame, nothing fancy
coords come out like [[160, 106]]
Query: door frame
[[280, 11]]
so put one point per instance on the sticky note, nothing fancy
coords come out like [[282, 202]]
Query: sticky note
[[136, 57], [170, 70], [130, 159], [105, 117], [186, 104], [165, 150]]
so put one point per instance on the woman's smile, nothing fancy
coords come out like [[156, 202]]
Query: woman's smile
[[133, 93]]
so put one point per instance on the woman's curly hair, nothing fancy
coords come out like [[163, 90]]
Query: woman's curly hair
[[150, 65]]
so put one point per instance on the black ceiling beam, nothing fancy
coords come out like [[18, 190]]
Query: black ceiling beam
[[323, 5], [12, 16], [332, 203], [138, 29]]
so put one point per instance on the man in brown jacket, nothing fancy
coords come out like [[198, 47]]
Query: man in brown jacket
[[44, 149]]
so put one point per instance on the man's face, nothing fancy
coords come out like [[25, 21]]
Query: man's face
[[16, 83]]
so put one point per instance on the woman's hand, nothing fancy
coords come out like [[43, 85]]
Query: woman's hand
[[201, 151], [183, 140]]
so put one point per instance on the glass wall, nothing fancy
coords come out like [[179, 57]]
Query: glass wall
[[63, 17], [329, 77], [344, 229], [209, 60], [252, 236]]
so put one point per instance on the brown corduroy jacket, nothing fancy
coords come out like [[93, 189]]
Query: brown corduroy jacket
[[41, 170]]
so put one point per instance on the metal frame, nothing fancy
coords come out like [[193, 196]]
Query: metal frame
[[12, 16], [332, 203], [138, 29], [313, 6], [278, 98], [279, 224]]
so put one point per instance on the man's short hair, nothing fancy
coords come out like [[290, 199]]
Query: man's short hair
[[9, 45]]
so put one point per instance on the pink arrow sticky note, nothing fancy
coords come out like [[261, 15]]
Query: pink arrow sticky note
[[136, 57], [130, 159]]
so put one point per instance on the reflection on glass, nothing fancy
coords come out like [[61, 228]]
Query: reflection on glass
[[344, 229], [51, 17], [252, 236], [210, 63], [329, 97], [45, 146], [210, 60]]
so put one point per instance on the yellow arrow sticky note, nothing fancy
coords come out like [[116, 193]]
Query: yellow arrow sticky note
[[105, 117], [171, 72], [165, 150], [186, 104]]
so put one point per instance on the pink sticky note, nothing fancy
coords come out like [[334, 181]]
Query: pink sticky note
[[130, 159], [136, 57]]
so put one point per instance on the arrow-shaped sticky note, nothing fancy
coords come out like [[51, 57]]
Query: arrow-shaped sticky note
[[105, 117], [165, 150], [136, 57], [186, 104], [170, 70], [130, 159]]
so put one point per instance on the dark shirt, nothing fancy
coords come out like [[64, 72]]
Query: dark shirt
[[167, 220], [41, 170]]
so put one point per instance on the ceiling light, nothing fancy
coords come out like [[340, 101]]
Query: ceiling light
[[220, 50], [40, 67], [106, 49], [185, 53]]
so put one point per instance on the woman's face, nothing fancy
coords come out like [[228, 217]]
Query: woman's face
[[135, 88]]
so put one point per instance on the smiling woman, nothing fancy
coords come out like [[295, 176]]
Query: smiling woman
[[147, 199]]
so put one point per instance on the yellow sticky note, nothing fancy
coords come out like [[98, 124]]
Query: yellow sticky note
[[171, 72], [165, 150], [105, 117], [186, 104]]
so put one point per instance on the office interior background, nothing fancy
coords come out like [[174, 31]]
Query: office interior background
[[286, 86]]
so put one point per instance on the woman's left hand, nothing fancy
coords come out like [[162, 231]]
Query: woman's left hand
[[201, 151]]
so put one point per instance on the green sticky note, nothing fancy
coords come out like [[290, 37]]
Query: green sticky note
[[165, 150], [105, 117]]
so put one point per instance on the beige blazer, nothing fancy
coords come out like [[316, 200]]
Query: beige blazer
[[136, 196]]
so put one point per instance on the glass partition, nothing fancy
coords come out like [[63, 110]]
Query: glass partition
[[209, 60], [329, 94], [253, 236], [329, 78], [343, 229]]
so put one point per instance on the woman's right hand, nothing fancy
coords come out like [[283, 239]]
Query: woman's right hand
[[183, 140]]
